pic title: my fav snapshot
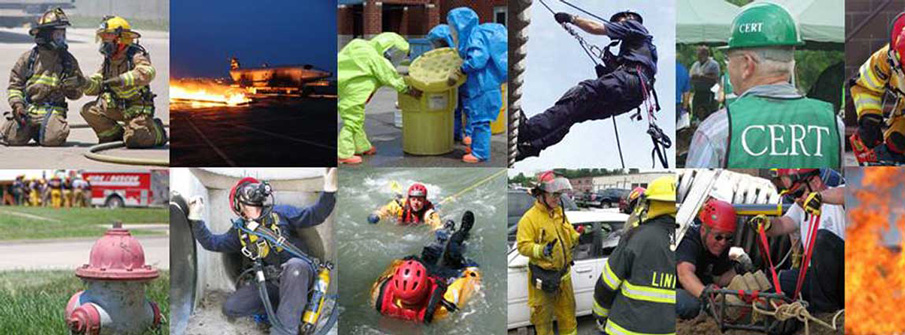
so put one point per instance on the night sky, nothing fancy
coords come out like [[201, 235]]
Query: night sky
[[205, 34]]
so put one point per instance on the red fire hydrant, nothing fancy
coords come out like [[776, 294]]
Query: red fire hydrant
[[116, 276]]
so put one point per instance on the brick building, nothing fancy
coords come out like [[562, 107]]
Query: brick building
[[410, 18]]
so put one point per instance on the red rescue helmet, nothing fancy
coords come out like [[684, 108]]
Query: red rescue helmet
[[417, 190], [410, 282], [718, 215], [897, 38]]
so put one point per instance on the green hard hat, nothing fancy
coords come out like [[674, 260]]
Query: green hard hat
[[764, 24]]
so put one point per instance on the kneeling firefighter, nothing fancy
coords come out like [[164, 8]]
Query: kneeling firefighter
[[547, 238], [636, 292], [266, 234], [122, 86], [428, 288], [39, 84]]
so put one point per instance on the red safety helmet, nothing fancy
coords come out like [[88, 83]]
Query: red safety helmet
[[719, 215], [417, 190], [897, 39], [410, 282]]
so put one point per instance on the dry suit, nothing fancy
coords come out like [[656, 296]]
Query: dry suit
[[619, 89], [288, 277], [130, 102], [36, 82], [361, 70], [538, 227], [636, 291]]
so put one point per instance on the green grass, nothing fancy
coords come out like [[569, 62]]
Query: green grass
[[138, 25], [33, 302], [74, 222]]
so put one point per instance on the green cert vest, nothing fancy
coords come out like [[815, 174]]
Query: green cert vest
[[782, 133]]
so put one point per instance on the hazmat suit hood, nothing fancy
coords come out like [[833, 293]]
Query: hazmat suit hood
[[384, 41], [464, 21], [441, 32]]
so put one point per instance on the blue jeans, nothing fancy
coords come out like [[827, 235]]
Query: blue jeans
[[687, 305]]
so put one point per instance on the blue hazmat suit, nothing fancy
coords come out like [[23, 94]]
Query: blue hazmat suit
[[484, 51]]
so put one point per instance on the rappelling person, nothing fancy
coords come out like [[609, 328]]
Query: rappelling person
[[40, 83], [824, 283], [483, 48], [880, 74], [639, 278], [426, 288], [623, 83], [548, 239], [288, 276], [122, 87], [363, 66], [703, 262], [770, 124], [414, 209]]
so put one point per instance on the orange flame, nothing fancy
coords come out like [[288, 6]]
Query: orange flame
[[199, 94], [874, 273]]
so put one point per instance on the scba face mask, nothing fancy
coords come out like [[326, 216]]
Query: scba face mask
[[53, 39]]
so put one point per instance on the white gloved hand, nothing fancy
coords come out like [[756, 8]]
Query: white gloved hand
[[196, 207], [330, 180]]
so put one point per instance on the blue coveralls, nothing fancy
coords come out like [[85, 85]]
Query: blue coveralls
[[612, 94], [483, 51], [292, 292]]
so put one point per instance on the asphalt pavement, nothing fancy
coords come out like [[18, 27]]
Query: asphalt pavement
[[387, 138], [16, 41], [69, 254], [262, 134]]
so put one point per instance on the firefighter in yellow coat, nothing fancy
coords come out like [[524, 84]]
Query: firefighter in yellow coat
[[882, 73], [123, 89], [547, 238]]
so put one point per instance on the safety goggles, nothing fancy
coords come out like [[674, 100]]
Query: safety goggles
[[255, 194], [721, 237], [799, 189]]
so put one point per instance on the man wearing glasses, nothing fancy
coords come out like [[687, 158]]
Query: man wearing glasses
[[702, 257], [824, 290]]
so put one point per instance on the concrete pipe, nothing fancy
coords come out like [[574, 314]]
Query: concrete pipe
[[196, 272]]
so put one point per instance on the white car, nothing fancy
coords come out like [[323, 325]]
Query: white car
[[589, 256]]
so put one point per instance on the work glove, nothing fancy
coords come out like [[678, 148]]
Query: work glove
[[548, 250], [115, 81], [330, 180], [759, 220], [467, 221], [20, 114], [869, 129], [704, 298], [196, 207], [373, 218], [454, 76], [812, 204], [413, 92], [563, 17], [72, 82]]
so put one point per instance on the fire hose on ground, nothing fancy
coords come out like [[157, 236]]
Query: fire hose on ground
[[94, 155]]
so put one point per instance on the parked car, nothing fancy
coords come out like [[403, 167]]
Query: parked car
[[605, 230], [519, 201]]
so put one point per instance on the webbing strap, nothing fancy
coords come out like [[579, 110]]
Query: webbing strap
[[765, 251], [802, 272]]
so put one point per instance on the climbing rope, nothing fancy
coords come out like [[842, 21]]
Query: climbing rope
[[798, 311]]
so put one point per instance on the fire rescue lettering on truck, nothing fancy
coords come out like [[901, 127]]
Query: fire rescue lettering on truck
[[785, 139]]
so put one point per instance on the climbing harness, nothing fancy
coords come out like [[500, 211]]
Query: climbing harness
[[604, 63]]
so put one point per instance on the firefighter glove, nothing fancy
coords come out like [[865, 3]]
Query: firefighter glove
[[563, 17], [869, 128], [196, 206], [548, 250]]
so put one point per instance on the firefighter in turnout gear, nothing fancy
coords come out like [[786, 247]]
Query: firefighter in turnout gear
[[770, 124], [636, 292], [882, 73], [39, 84], [122, 86], [288, 276], [547, 238]]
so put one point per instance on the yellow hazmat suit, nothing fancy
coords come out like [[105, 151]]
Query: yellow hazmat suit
[[361, 70]]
